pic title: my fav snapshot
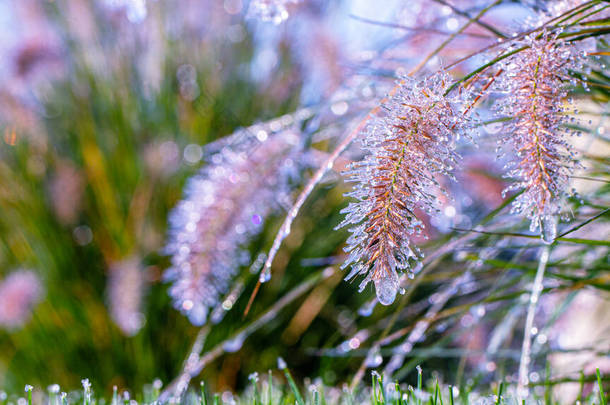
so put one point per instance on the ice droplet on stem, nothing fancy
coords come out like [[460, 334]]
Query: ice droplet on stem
[[548, 229], [265, 275], [235, 344], [386, 289]]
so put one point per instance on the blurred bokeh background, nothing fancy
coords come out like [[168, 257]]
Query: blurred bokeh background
[[107, 108]]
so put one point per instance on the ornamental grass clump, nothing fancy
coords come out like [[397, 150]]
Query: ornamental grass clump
[[409, 144]]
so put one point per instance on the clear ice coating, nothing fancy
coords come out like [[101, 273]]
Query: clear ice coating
[[419, 116], [535, 77], [235, 344], [373, 359], [265, 275], [386, 289], [548, 229]]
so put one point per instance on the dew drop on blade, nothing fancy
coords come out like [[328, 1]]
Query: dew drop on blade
[[234, 345], [386, 289], [548, 229], [265, 275], [374, 359]]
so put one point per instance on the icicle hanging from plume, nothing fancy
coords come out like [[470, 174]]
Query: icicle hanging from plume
[[408, 144]]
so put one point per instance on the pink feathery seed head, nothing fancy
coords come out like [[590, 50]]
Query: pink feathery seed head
[[20, 291], [126, 284], [409, 144], [535, 141], [224, 206], [66, 190]]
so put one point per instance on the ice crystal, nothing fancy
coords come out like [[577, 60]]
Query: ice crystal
[[224, 205], [407, 146], [540, 158], [125, 292], [275, 11], [19, 293]]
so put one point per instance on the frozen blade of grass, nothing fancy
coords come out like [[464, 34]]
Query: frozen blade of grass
[[602, 395], [373, 389], [311, 184], [316, 397], [522, 390], [398, 397], [577, 227], [419, 384], [348, 395], [257, 395], [293, 387], [547, 385], [203, 399], [270, 388], [500, 389], [29, 389], [381, 386]]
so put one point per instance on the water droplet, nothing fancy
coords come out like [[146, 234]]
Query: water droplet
[[386, 289], [197, 314], [265, 275], [374, 359], [281, 363], [234, 344], [548, 229]]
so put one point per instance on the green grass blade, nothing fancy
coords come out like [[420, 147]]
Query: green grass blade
[[202, 388], [602, 395], [293, 386], [500, 390]]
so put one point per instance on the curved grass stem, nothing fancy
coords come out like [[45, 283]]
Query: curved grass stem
[[526, 349]]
